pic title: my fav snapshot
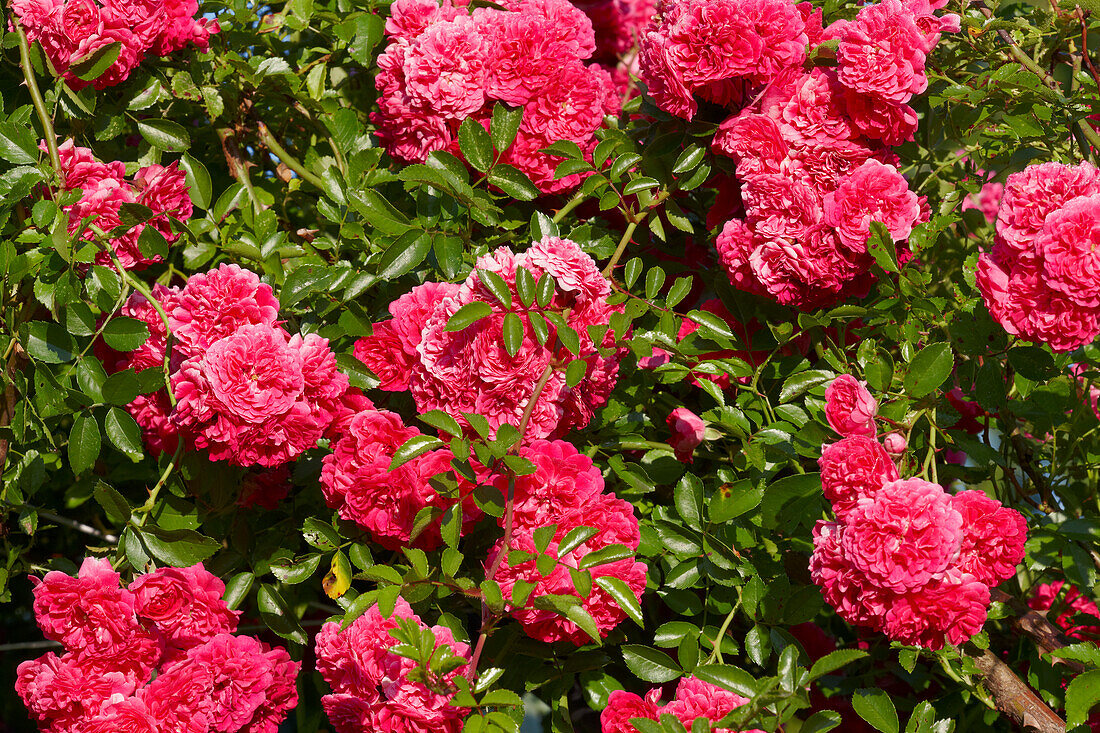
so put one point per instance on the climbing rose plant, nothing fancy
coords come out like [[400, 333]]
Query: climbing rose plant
[[598, 366]]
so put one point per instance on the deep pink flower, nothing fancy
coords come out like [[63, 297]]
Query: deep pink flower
[[1032, 194], [59, 692], [216, 303], [952, 609], [698, 699], [235, 682], [993, 537], [881, 53], [688, 430], [184, 604], [849, 407], [246, 398], [445, 68], [1067, 243], [852, 469], [904, 536], [357, 481], [856, 599], [371, 685], [623, 705], [872, 192], [1045, 597]]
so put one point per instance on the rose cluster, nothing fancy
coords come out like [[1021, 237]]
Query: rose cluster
[[246, 391], [565, 492], [694, 699], [357, 482], [812, 148], [904, 557], [445, 64], [372, 689], [618, 25], [72, 31], [104, 189], [1042, 279], [159, 655], [470, 370]]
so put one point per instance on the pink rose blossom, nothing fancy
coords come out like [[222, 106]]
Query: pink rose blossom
[[184, 604], [872, 192], [950, 609], [993, 537], [687, 433], [904, 536], [895, 444], [852, 469], [882, 53], [214, 304], [849, 407]]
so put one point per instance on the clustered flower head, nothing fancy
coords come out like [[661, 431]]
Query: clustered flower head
[[372, 689], [905, 557], [565, 491], [445, 64], [104, 189], [1041, 282], [72, 31], [470, 370], [357, 481], [246, 390], [812, 148], [694, 699], [159, 655]]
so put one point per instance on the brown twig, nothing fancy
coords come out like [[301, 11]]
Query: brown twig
[[1047, 637], [1012, 696], [237, 166]]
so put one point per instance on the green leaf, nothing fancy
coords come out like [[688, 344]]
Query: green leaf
[[467, 315], [727, 677], [123, 333], [799, 384], [237, 588], [114, 505], [513, 333], [876, 708], [152, 244], [513, 182], [95, 63], [320, 534], [820, 722], [1082, 694], [403, 255], [584, 621], [834, 661], [1032, 362], [476, 144], [505, 125], [650, 665], [881, 246], [305, 281], [84, 443], [575, 538], [47, 342], [928, 370], [294, 570], [18, 144], [679, 290], [689, 159], [644, 183], [496, 285], [415, 446], [733, 500], [442, 421], [165, 135], [623, 595], [180, 548], [276, 613], [123, 432], [198, 181]]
